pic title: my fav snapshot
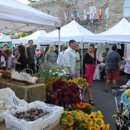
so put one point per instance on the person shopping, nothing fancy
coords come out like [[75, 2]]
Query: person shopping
[[21, 62], [127, 66], [88, 70], [10, 59]]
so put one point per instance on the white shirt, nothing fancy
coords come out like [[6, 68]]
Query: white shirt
[[61, 60], [70, 59], [3, 60]]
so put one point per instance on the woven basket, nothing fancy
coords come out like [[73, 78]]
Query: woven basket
[[6, 75], [26, 69]]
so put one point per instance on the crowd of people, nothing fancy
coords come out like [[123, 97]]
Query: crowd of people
[[20, 58], [70, 58]]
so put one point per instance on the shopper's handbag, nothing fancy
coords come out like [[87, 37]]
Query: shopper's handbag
[[96, 75]]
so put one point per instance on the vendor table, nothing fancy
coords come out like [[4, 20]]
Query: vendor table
[[29, 93], [55, 126]]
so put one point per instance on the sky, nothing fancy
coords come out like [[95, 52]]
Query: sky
[[23, 1]]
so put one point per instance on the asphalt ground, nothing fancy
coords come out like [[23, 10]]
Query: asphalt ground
[[106, 101]]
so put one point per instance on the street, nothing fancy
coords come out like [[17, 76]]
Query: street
[[105, 101]]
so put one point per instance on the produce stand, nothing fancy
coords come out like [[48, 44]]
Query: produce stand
[[55, 126], [29, 93]]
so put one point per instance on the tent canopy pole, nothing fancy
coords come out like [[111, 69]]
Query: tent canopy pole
[[58, 37]]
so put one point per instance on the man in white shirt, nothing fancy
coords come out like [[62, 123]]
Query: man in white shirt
[[61, 59], [70, 58]]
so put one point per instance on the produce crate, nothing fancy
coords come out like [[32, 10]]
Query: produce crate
[[8, 96], [42, 123]]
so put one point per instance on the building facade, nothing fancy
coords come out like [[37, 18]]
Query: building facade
[[95, 15]]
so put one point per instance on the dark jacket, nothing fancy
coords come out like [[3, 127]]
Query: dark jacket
[[30, 53]]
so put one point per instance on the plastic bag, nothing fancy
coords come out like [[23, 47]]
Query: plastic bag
[[96, 75]]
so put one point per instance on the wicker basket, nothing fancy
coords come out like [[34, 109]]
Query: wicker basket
[[6, 75], [26, 69], [40, 80]]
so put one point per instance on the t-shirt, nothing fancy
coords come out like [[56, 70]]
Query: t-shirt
[[51, 57], [112, 60], [61, 59], [77, 58]]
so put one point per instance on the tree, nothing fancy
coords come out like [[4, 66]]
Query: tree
[[24, 34]]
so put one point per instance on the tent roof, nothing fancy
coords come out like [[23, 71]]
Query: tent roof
[[5, 38], [118, 33], [16, 16], [121, 28], [70, 31], [33, 37]]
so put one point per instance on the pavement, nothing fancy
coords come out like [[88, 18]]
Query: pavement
[[105, 101]]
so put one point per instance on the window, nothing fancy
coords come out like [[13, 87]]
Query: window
[[126, 8], [88, 11], [106, 12]]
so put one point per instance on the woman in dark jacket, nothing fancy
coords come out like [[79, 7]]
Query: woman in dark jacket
[[21, 62]]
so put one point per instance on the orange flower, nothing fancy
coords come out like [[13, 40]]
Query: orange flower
[[82, 105]]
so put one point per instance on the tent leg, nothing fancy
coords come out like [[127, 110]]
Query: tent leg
[[82, 55], [59, 38]]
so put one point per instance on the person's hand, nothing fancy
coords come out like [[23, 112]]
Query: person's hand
[[124, 86]]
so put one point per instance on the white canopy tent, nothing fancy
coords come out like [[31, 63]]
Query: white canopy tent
[[118, 33], [70, 31], [5, 38], [33, 37], [16, 17]]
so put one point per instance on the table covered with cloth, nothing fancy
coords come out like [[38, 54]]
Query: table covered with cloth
[[29, 93]]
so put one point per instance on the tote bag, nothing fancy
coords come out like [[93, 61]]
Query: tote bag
[[96, 75]]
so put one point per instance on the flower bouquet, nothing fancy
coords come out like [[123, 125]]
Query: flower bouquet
[[85, 107], [76, 120], [64, 94], [81, 82]]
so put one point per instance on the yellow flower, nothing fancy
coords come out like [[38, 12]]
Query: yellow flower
[[87, 118], [64, 121], [69, 112], [99, 121], [44, 86], [90, 123], [97, 127], [92, 128], [99, 114], [78, 116], [92, 115], [69, 128], [107, 127], [70, 120], [102, 127], [84, 126]]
